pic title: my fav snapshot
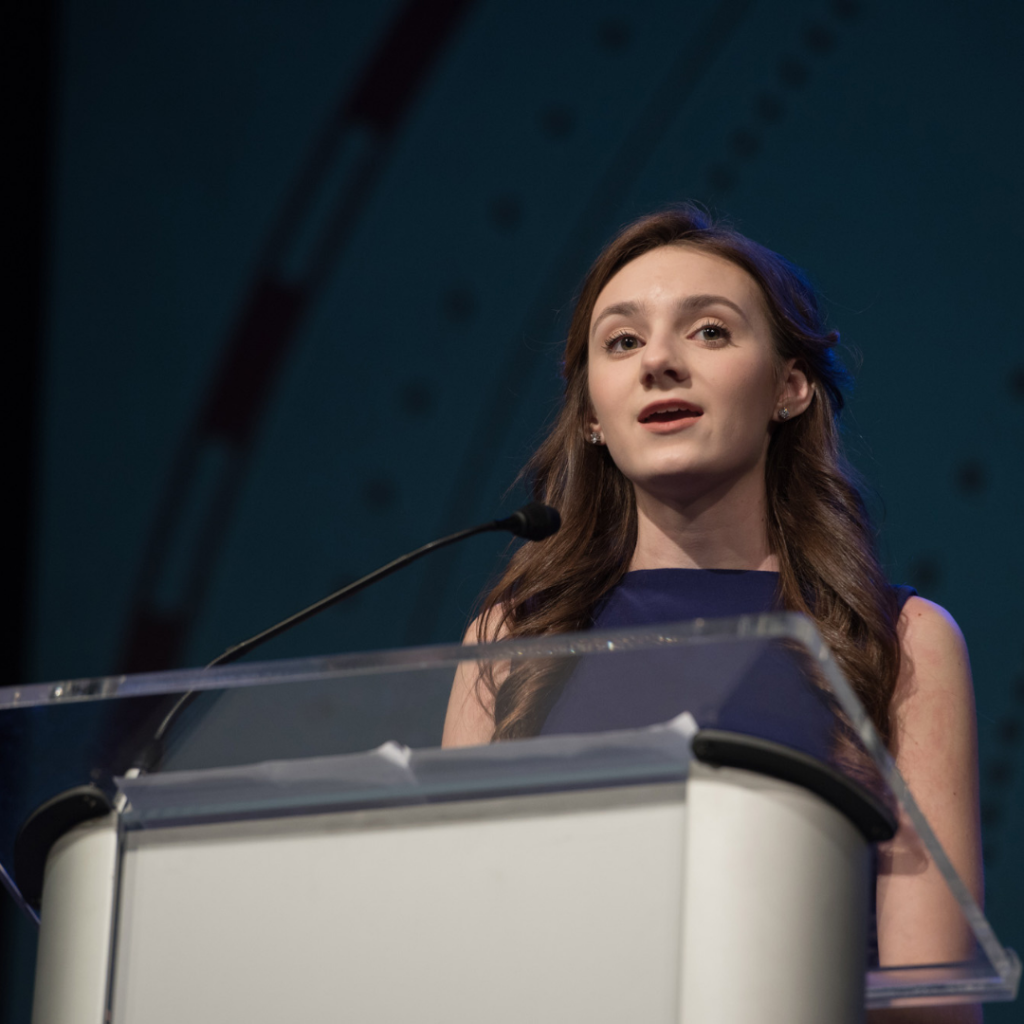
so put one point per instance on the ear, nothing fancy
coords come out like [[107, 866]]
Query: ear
[[593, 427], [796, 392]]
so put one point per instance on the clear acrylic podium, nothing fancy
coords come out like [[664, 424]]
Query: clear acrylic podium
[[307, 852]]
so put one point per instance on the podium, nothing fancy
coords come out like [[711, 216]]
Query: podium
[[684, 871]]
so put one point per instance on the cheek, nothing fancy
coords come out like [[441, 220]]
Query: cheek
[[603, 397], [752, 389]]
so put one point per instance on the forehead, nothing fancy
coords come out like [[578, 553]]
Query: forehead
[[674, 272]]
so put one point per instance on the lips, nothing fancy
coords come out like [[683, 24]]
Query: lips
[[669, 411]]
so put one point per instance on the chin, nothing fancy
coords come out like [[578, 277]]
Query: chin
[[673, 479], [679, 479], [671, 465]]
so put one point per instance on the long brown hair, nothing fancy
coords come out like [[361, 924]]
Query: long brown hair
[[818, 526]]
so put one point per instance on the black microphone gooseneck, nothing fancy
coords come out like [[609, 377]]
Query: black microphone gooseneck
[[534, 521]]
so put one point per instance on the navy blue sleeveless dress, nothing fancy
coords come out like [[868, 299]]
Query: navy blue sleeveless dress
[[773, 702]]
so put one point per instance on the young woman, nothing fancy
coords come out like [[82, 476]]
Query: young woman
[[699, 434]]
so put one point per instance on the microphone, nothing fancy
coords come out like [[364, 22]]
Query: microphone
[[534, 521], [531, 522]]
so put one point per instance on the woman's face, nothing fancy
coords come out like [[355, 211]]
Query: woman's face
[[683, 378]]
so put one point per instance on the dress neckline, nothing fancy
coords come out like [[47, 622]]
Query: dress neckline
[[715, 572]]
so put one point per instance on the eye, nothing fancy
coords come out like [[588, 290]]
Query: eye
[[713, 334], [622, 341]]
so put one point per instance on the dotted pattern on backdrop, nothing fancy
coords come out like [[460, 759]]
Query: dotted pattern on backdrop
[[1002, 766], [1002, 762], [819, 39], [970, 478]]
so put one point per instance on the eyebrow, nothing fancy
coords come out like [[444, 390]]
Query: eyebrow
[[685, 307]]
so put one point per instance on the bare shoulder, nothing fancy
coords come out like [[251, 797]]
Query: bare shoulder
[[934, 689], [469, 720], [486, 628], [928, 631], [935, 666]]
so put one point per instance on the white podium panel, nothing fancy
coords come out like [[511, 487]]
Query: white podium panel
[[559, 907]]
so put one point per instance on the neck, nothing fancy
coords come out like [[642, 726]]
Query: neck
[[722, 527]]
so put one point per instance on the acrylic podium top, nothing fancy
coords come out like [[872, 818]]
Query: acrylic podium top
[[767, 676]]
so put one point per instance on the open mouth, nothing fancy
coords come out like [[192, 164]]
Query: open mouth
[[671, 414]]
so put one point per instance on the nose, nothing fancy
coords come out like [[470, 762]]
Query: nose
[[663, 360]]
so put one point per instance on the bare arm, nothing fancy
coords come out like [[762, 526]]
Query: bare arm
[[935, 746], [469, 721]]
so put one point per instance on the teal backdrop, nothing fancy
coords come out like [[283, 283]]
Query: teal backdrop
[[309, 265]]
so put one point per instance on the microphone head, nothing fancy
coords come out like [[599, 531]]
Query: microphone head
[[532, 522]]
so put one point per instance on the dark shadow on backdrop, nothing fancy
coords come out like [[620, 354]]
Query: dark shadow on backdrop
[[29, 62]]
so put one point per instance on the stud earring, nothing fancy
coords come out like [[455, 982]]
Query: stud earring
[[783, 413], [595, 437]]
